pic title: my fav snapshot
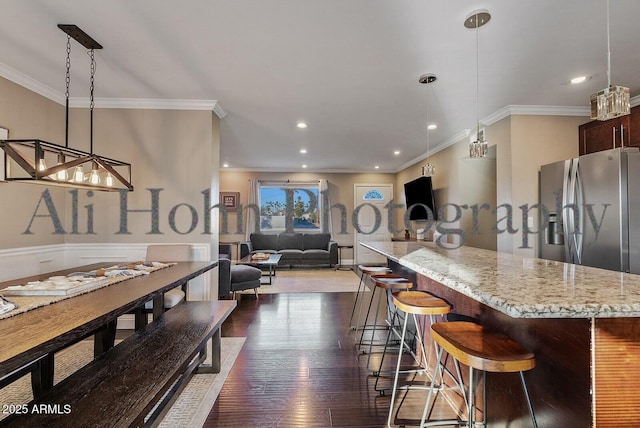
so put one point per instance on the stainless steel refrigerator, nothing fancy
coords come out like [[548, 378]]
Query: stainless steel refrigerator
[[593, 205]]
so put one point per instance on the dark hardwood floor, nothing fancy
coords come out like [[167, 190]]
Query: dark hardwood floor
[[299, 368]]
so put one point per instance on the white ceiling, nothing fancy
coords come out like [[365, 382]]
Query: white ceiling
[[349, 68]]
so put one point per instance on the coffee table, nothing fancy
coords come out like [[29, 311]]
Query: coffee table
[[271, 263]]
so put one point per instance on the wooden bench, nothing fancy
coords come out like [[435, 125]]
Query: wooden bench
[[123, 385]]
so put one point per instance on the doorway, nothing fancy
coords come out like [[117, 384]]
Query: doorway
[[371, 220]]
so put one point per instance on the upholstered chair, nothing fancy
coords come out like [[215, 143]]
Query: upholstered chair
[[166, 253]]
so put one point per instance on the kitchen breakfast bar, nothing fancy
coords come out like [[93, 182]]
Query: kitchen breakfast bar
[[582, 324]]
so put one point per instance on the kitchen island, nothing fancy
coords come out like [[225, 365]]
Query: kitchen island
[[582, 323]]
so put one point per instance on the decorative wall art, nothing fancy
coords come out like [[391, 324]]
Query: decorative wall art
[[230, 200]]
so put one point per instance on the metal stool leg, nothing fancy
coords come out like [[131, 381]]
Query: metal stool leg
[[374, 326], [395, 380], [355, 303], [526, 394], [364, 325]]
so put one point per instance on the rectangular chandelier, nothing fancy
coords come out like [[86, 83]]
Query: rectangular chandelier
[[41, 162], [610, 102]]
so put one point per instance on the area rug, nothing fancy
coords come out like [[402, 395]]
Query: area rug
[[190, 409], [310, 281]]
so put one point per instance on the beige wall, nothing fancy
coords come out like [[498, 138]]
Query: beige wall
[[451, 183], [170, 150], [521, 145], [500, 134], [173, 150], [28, 115], [340, 191]]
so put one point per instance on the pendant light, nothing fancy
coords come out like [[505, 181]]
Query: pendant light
[[476, 19], [28, 160], [428, 170], [613, 101]]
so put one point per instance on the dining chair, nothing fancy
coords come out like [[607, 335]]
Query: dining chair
[[167, 253]]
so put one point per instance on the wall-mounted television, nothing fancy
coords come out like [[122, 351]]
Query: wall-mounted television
[[419, 194]]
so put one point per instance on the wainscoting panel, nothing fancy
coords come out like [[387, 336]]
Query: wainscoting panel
[[50, 257]]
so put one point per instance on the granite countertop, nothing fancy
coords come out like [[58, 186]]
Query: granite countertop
[[521, 287]]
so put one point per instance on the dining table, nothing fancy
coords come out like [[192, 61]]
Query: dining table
[[29, 340]]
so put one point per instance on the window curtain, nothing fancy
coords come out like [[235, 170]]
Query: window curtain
[[327, 223], [252, 216]]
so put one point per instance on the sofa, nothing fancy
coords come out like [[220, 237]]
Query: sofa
[[311, 249]]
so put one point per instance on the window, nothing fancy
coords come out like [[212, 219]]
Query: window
[[290, 206]]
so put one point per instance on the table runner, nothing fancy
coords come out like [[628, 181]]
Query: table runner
[[27, 303]]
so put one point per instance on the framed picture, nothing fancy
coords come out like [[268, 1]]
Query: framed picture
[[230, 200]]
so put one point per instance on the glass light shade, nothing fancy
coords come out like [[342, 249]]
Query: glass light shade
[[428, 170], [478, 149], [109, 180], [42, 165], [78, 175], [61, 175], [610, 102], [94, 176]]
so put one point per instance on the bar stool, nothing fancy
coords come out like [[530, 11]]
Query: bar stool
[[415, 303], [365, 271], [472, 345], [381, 282], [386, 283]]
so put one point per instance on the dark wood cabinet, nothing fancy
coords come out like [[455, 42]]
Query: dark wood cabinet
[[621, 131], [634, 125]]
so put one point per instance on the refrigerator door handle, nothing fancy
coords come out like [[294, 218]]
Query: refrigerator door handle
[[579, 201], [566, 200]]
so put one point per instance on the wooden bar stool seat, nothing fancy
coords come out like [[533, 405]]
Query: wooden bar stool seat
[[415, 303], [478, 349]]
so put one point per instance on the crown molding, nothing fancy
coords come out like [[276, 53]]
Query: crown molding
[[513, 110], [311, 170], [31, 84], [538, 110], [150, 104], [456, 138], [128, 103], [510, 110]]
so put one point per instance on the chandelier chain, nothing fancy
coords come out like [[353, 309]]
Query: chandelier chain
[[68, 65], [91, 102], [91, 81]]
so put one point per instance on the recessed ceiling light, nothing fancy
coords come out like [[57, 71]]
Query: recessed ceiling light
[[301, 125], [396, 152], [303, 151], [304, 166], [432, 126], [579, 79], [377, 167], [225, 165]]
